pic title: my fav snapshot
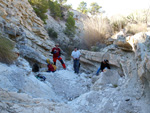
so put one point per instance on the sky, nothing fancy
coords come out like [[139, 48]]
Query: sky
[[113, 7]]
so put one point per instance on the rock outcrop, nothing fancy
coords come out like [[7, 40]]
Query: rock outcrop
[[21, 24], [134, 66], [12, 102]]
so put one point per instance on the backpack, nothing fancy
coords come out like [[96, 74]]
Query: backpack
[[54, 67], [40, 77], [35, 68]]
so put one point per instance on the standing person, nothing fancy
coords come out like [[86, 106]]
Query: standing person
[[104, 65], [76, 58], [56, 55]]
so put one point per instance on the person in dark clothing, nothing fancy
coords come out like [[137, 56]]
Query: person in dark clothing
[[104, 65], [56, 55]]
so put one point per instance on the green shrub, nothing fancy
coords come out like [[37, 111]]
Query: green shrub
[[115, 85], [67, 6], [70, 25], [55, 9], [94, 48], [68, 50], [52, 33], [6, 54]]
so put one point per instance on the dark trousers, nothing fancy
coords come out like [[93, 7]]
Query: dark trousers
[[76, 65]]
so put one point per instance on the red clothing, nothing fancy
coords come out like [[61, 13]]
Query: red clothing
[[56, 52], [60, 59], [56, 56], [50, 67]]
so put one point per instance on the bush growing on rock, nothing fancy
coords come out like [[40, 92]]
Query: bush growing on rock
[[52, 33], [55, 9], [70, 25], [67, 6], [6, 54]]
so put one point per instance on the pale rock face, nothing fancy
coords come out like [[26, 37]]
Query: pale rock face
[[59, 26], [19, 21], [110, 77], [19, 102], [21, 79]]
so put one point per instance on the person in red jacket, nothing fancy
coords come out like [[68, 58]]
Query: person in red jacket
[[56, 55], [51, 67]]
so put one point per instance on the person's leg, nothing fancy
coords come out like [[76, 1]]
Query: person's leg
[[54, 60], [62, 63], [74, 65], [77, 66], [48, 71], [98, 71]]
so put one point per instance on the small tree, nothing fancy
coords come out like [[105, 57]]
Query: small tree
[[82, 7], [70, 25], [94, 8], [55, 9]]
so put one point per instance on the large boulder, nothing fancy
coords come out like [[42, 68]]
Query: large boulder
[[123, 44], [110, 77]]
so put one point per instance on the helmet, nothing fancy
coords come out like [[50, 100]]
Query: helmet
[[48, 61], [105, 60]]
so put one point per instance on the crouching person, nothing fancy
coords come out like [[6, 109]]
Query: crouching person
[[104, 65], [51, 67]]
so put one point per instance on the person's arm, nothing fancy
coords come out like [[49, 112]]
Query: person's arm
[[52, 51], [108, 66], [72, 55], [79, 54]]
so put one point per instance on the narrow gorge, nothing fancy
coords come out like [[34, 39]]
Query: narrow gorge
[[125, 88]]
